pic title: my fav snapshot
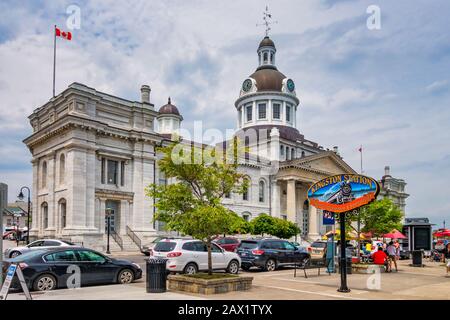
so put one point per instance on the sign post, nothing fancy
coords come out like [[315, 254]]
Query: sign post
[[341, 194]]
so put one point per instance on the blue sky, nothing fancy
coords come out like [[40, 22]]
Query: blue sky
[[387, 89]]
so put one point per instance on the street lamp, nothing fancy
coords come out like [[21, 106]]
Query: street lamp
[[20, 196], [108, 213]]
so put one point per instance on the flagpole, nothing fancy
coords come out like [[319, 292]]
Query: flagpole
[[54, 59], [361, 159]]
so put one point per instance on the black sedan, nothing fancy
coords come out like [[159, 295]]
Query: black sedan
[[48, 269]]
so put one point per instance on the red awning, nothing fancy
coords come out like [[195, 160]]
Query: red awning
[[394, 235], [442, 233]]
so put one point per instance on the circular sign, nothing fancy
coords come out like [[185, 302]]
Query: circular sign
[[343, 193]]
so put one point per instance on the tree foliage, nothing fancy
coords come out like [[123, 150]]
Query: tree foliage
[[265, 224], [381, 217], [192, 205]]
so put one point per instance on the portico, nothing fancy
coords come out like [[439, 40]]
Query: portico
[[294, 179]]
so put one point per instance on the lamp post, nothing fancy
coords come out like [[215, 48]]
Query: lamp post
[[20, 196], [108, 213]]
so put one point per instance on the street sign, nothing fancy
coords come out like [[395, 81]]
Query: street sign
[[343, 193], [14, 269], [328, 218]]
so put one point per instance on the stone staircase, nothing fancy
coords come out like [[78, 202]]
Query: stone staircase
[[128, 245]]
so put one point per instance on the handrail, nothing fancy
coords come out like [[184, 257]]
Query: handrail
[[117, 238], [133, 236]]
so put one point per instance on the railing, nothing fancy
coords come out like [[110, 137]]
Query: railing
[[117, 239], [133, 236]]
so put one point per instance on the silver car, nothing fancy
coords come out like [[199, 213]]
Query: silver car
[[38, 244]]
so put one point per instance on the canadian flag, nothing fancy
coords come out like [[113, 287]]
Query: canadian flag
[[63, 34]]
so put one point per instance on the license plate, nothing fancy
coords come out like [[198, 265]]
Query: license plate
[[316, 251]]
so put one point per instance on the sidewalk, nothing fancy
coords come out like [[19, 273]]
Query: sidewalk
[[135, 291]]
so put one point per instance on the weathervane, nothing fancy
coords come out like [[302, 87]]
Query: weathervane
[[267, 17]]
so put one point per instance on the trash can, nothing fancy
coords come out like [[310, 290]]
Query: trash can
[[417, 258], [156, 275]]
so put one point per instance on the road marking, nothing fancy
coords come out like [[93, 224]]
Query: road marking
[[355, 291], [312, 292]]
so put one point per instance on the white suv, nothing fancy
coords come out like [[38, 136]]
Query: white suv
[[191, 256]]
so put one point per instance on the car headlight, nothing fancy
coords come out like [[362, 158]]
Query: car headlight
[[136, 265]]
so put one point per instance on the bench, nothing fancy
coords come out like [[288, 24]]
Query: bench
[[310, 264]]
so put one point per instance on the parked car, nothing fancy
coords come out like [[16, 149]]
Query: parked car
[[300, 247], [228, 243], [269, 254], [147, 249], [48, 269], [38, 244], [317, 250], [191, 256]]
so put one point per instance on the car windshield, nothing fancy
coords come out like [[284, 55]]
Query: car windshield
[[248, 245], [165, 246], [68, 243], [318, 245], [27, 255]]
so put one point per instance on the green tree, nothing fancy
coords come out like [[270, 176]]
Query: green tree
[[381, 217], [285, 229], [263, 224], [192, 205]]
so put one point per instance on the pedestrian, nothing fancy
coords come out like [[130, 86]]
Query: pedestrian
[[447, 255], [392, 254], [380, 258], [397, 247]]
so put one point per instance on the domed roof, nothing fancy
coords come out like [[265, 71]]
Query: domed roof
[[268, 79], [266, 42], [169, 108]]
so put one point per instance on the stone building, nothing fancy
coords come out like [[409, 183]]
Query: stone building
[[394, 189]]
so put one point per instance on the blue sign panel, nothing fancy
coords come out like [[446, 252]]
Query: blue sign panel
[[328, 218]]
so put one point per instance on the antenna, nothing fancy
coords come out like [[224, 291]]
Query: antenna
[[267, 17]]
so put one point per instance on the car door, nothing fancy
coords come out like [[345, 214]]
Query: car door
[[289, 251], [218, 257], [95, 267], [63, 264], [201, 255]]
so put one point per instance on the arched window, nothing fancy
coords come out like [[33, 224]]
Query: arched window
[[247, 189], [282, 151], [62, 168], [266, 57], [246, 216], [44, 174], [44, 211], [262, 187], [62, 213], [292, 154], [303, 154]]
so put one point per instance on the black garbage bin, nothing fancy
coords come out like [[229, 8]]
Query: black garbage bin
[[417, 258], [156, 275]]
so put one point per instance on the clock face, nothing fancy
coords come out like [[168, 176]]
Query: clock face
[[290, 85], [247, 85]]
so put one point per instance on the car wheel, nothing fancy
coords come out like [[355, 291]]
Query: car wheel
[[271, 265], [191, 268], [233, 267], [45, 282], [125, 276], [15, 254]]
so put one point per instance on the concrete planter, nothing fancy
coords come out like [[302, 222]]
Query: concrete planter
[[367, 268], [214, 286]]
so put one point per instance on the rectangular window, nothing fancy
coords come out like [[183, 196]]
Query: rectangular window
[[249, 112], [112, 171], [103, 170], [122, 173], [288, 113], [261, 111], [276, 108]]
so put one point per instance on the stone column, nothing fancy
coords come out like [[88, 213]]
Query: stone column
[[313, 233], [102, 215], [275, 199], [124, 212], [34, 201], [291, 203]]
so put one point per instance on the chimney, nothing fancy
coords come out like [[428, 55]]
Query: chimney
[[145, 94], [387, 171]]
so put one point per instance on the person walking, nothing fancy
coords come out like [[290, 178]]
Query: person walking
[[397, 250], [392, 254], [447, 255]]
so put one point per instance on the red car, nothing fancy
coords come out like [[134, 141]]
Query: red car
[[228, 243]]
